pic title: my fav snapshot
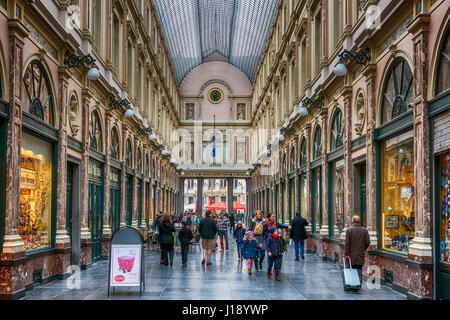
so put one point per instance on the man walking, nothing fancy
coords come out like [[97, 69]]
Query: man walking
[[207, 229], [223, 224], [357, 241], [298, 234]]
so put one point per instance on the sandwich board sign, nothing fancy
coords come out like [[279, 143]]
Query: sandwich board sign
[[126, 259]]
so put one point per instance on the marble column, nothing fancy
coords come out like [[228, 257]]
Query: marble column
[[85, 234], [370, 73], [134, 221], [123, 179], [347, 139], [181, 197], [230, 194], [324, 232], [420, 251], [200, 196], [107, 176], [13, 246], [249, 196]]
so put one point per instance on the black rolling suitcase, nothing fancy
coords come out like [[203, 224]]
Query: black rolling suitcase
[[350, 278]]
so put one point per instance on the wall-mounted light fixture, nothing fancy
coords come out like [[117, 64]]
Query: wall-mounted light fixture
[[361, 57], [116, 104], [157, 146], [142, 131], [71, 60], [287, 130]]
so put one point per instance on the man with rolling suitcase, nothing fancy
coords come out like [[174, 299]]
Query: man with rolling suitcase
[[357, 241]]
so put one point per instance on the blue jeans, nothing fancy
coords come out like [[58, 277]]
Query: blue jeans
[[184, 253], [239, 248], [297, 244], [275, 262]]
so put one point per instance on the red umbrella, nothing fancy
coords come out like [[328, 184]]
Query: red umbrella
[[217, 205], [238, 206]]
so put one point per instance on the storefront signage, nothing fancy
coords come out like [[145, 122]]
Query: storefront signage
[[94, 171], [125, 265], [126, 259], [114, 177], [28, 179]]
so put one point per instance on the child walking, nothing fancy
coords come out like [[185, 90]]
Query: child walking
[[274, 251], [249, 250], [185, 236], [238, 235]]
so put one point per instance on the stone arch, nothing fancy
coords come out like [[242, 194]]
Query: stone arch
[[96, 112], [336, 109], [114, 129], [441, 38], [4, 79], [212, 81]]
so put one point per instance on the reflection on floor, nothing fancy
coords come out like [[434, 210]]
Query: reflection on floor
[[225, 279]]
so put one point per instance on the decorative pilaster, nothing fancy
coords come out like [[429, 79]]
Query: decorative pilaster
[[324, 232], [370, 73], [230, 195], [347, 93], [134, 220], [308, 177], [107, 179]]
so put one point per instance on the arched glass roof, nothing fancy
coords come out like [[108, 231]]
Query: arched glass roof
[[196, 29]]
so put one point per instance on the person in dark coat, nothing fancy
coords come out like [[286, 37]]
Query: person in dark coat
[[208, 230], [274, 252], [185, 236], [249, 250], [238, 236], [357, 241], [166, 232], [298, 234]]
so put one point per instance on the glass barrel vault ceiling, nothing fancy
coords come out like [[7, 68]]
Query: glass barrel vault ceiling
[[196, 29]]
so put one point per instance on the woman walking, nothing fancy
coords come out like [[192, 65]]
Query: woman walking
[[166, 231]]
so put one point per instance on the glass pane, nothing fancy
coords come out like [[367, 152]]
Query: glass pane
[[444, 67], [337, 198], [444, 165], [398, 214], [303, 196], [35, 192]]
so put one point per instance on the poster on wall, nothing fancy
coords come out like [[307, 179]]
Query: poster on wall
[[125, 265]]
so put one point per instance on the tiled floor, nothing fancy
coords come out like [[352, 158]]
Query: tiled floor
[[225, 279]]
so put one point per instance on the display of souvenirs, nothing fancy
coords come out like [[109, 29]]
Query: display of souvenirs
[[35, 193], [398, 210], [445, 208]]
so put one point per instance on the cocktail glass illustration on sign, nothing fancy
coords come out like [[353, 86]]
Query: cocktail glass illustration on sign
[[126, 263]]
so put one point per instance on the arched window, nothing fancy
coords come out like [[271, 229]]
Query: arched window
[[38, 92], [317, 152], [115, 144], [398, 91], [129, 154], [292, 162], [336, 131], [95, 131], [443, 72], [139, 161], [284, 165], [302, 160], [1, 83]]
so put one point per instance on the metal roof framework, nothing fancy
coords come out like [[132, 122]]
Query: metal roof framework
[[196, 29]]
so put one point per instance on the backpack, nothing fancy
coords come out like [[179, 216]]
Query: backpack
[[258, 227]]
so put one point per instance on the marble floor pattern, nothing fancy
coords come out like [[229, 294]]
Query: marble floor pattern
[[225, 279]]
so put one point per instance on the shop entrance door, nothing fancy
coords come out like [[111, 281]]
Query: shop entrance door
[[96, 218], [114, 214], [139, 202], [442, 227], [129, 200], [69, 196]]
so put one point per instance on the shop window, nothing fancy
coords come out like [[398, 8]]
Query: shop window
[[336, 131], [303, 159], [129, 155], [443, 78], [317, 200], [35, 192], [317, 152], [397, 207], [292, 162], [303, 195], [95, 131], [444, 232], [337, 198], [38, 92], [139, 161], [115, 144], [398, 91]]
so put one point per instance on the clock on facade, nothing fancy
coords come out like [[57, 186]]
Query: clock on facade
[[215, 95]]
